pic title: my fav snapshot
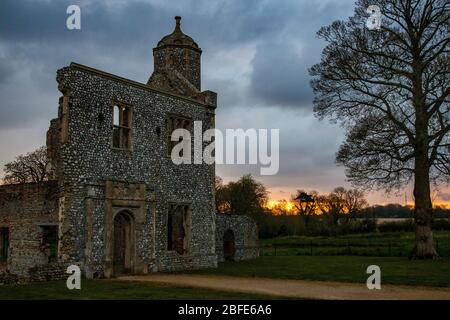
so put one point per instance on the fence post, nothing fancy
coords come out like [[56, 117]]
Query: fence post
[[311, 244], [437, 245]]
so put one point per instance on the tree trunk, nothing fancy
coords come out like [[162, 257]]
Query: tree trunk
[[423, 209], [423, 217]]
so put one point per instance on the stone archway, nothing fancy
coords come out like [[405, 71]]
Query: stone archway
[[123, 246], [229, 245]]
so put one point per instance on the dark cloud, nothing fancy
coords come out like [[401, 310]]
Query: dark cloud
[[255, 55], [34, 43], [35, 21], [280, 77], [6, 70], [280, 67], [137, 23], [307, 147]]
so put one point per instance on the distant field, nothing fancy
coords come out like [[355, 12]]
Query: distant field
[[394, 270], [396, 244]]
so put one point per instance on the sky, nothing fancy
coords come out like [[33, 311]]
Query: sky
[[256, 56]]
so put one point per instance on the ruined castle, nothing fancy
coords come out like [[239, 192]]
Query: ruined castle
[[118, 203]]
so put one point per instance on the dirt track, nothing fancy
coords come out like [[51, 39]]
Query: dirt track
[[295, 288]]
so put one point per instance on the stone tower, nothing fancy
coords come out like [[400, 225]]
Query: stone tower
[[176, 59]]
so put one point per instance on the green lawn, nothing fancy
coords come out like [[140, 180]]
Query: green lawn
[[394, 270], [371, 244], [111, 290], [343, 258]]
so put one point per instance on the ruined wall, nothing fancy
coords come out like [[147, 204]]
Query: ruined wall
[[97, 182], [24, 208], [88, 162], [245, 233], [48, 272]]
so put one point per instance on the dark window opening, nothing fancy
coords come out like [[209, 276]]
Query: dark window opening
[[122, 127], [173, 123], [49, 242], [4, 244], [229, 246], [179, 228]]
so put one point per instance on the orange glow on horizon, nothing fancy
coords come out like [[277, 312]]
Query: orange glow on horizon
[[436, 204], [445, 205], [373, 197], [282, 205], [288, 206]]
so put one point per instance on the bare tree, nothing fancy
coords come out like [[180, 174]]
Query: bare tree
[[306, 204], [390, 89], [354, 202], [333, 204], [341, 203], [32, 167], [330, 206]]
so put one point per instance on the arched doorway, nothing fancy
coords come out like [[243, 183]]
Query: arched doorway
[[123, 243], [229, 248]]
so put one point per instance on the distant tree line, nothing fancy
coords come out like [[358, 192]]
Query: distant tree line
[[341, 211], [395, 210]]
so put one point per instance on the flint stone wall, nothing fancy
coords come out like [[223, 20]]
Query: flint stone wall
[[245, 233], [48, 272], [8, 278], [24, 208], [88, 159]]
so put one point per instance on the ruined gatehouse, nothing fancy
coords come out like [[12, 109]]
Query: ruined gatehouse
[[118, 203]]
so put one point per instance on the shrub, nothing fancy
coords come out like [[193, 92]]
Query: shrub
[[281, 225], [358, 226], [397, 226]]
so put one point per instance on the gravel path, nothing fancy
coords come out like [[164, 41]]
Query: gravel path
[[295, 288]]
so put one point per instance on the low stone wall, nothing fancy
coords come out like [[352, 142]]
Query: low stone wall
[[172, 261], [41, 273], [8, 278], [24, 208], [245, 232], [49, 272]]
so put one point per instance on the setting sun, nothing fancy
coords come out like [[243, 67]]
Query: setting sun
[[279, 206]]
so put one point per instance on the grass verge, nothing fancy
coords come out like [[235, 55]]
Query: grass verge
[[117, 290], [394, 270]]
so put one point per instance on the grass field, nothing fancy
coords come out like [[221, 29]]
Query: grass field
[[111, 290], [346, 258], [343, 258], [394, 270], [371, 244]]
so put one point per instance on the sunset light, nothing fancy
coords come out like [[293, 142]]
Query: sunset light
[[279, 206]]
